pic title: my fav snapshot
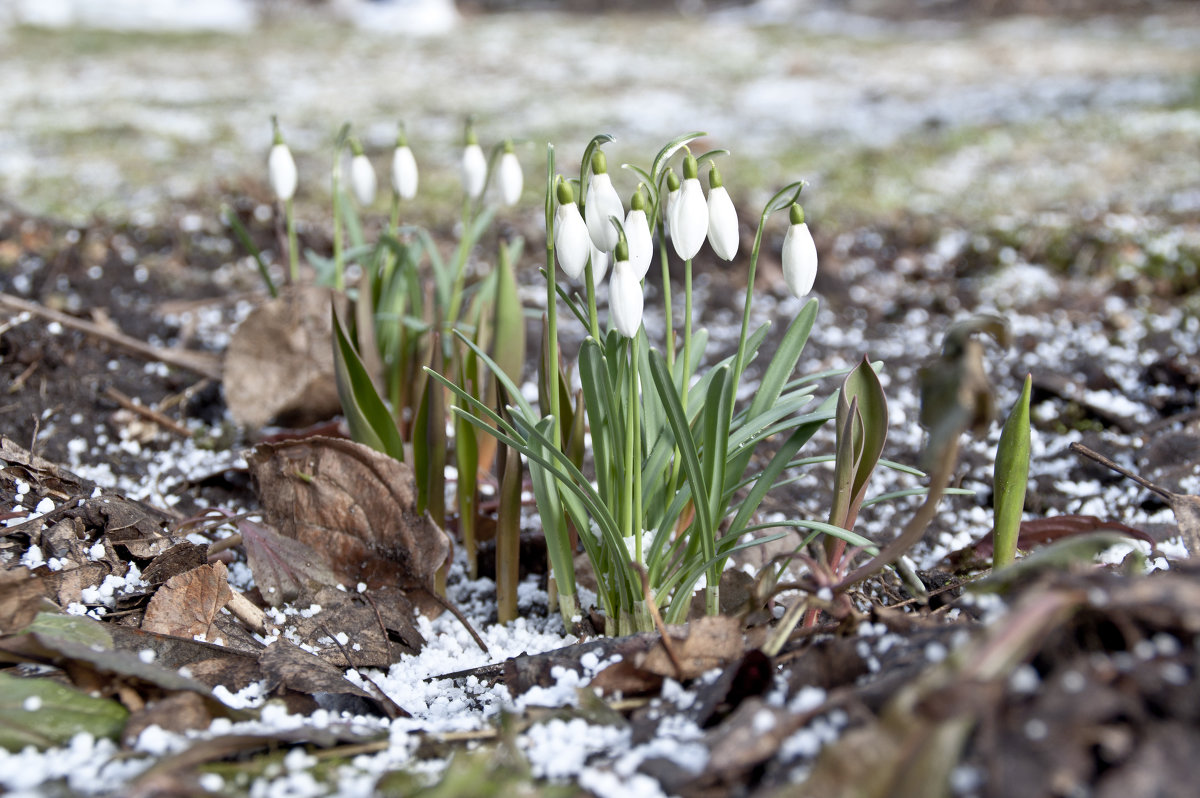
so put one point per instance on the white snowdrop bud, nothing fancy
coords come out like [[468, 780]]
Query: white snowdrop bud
[[509, 176], [691, 213], [638, 236], [722, 218], [799, 254], [281, 168], [625, 300], [602, 204], [572, 244], [404, 169], [362, 175], [474, 165]]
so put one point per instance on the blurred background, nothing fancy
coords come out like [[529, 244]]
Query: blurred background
[[143, 110]]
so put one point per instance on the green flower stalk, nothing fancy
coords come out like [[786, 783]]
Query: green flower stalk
[[281, 169]]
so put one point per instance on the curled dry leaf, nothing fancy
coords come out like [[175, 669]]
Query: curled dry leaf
[[279, 365], [354, 506], [187, 605], [282, 566]]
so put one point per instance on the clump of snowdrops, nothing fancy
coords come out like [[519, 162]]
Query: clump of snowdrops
[[671, 492]]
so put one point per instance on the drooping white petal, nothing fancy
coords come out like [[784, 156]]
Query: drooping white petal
[[362, 179], [669, 212], [691, 219], [602, 203], [640, 240], [625, 299], [281, 170], [474, 170], [404, 172], [799, 259], [722, 224], [510, 179], [572, 243], [599, 266]]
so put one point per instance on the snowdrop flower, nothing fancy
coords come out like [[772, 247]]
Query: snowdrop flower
[[799, 254], [362, 175], [404, 169], [673, 193], [281, 167], [509, 176], [637, 235], [722, 218], [599, 266], [602, 203], [625, 299], [691, 213], [572, 243], [474, 165]]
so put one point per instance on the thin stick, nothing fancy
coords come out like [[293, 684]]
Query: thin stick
[[652, 608], [148, 413], [1091, 454], [197, 362]]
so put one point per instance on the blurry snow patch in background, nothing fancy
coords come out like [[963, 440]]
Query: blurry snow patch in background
[[132, 15], [411, 17]]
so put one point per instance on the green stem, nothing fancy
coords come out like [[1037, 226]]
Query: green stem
[[739, 363], [593, 316], [551, 304], [630, 433], [666, 289], [460, 267], [633, 466], [293, 254], [339, 265], [687, 335]]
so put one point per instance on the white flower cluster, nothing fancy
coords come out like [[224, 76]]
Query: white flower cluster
[[689, 219]]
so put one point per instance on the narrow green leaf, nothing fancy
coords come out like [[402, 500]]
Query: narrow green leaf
[[366, 414], [508, 340], [1011, 478], [243, 237]]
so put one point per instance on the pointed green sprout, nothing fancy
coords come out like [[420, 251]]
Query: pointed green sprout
[[1010, 480]]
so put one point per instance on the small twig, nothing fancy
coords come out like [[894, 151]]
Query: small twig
[[148, 413], [248, 613], [1091, 454], [198, 362]]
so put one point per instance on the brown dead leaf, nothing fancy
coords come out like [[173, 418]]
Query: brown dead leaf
[[354, 506], [291, 667], [706, 643], [187, 604], [379, 627], [21, 599], [282, 566], [279, 365], [178, 559]]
